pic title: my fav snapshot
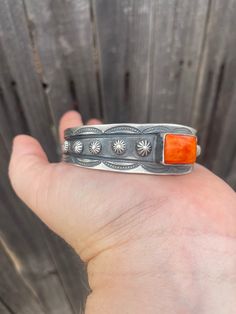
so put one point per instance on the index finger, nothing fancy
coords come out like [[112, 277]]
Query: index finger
[[70, 119]]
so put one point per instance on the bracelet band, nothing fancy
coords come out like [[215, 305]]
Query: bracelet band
[[133, 148]]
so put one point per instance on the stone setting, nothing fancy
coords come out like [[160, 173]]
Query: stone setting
[[180, 149], [95, 147], [119, 146], [143, 148]]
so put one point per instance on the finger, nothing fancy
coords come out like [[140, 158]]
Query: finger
[[27, 164], [70, 119], [93, 121]]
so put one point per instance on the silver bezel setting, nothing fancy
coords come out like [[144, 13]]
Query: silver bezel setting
[[163, 150]]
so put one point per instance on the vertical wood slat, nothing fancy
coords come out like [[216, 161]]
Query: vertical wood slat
[[20, 224], [178, 34], [149, 58], [72, 273], [11, 119], [214, 113], [16, 44], [51, 283], [231, 178], [123, 37], [62, 33], [4, 309], [15, 295], [24, 236]]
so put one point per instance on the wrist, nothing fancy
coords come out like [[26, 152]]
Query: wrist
[[170, 274]]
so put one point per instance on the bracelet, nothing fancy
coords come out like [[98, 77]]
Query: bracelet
[[132, 148]]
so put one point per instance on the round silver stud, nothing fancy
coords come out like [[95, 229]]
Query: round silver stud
[[198, 150], [65, 147], [95, 147], [119, 146], [143, 148], [78, 147]]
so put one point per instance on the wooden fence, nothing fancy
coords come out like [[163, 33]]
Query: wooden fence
[[122, 61]]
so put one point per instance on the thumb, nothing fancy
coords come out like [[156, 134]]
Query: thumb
[[27, 165]]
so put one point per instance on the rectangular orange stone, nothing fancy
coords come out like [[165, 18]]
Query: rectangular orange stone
[[180, 149]]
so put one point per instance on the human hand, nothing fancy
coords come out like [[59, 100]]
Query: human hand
[[153, 244]]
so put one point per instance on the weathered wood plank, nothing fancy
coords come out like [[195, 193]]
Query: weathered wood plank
[[123, 35], [63, 37], [4, 309], [72, 272], [12, 120], [221, 144], [25, 236], [149, 58], [18, 222], [16, 45], [48, 56], [231, 178], [51, 286], [214, 113], [13, 290], [71, 286], [177, 36]]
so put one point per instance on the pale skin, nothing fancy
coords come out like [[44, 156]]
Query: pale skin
[[153, 244]]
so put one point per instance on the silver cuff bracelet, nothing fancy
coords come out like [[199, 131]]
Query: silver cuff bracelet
[[133, 148]]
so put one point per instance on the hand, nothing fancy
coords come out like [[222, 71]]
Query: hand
[[153, 244]]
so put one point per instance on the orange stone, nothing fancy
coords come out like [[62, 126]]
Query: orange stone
[[180, 149]]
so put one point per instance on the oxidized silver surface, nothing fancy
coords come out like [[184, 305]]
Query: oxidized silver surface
[[131, 148]]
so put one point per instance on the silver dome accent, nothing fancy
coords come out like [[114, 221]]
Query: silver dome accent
[[95, 147], [143, 148], [119, 146]]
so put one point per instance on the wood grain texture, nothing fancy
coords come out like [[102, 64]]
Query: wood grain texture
[[24, 237], [149, 58], [17, 48], [16, 296], [4, 309], [124, 57], [56, 278], [124, 61], [71, 271], [178, 35], [62, 36], [59, 293], [231, 178], [215, 113]]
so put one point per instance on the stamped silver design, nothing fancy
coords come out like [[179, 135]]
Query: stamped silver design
[[95, 147], [143, 148], [78, 147], [130, 148], [119, 146], [65, 146]]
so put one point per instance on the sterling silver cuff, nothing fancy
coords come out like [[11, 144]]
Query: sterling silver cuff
[[132, 148]]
